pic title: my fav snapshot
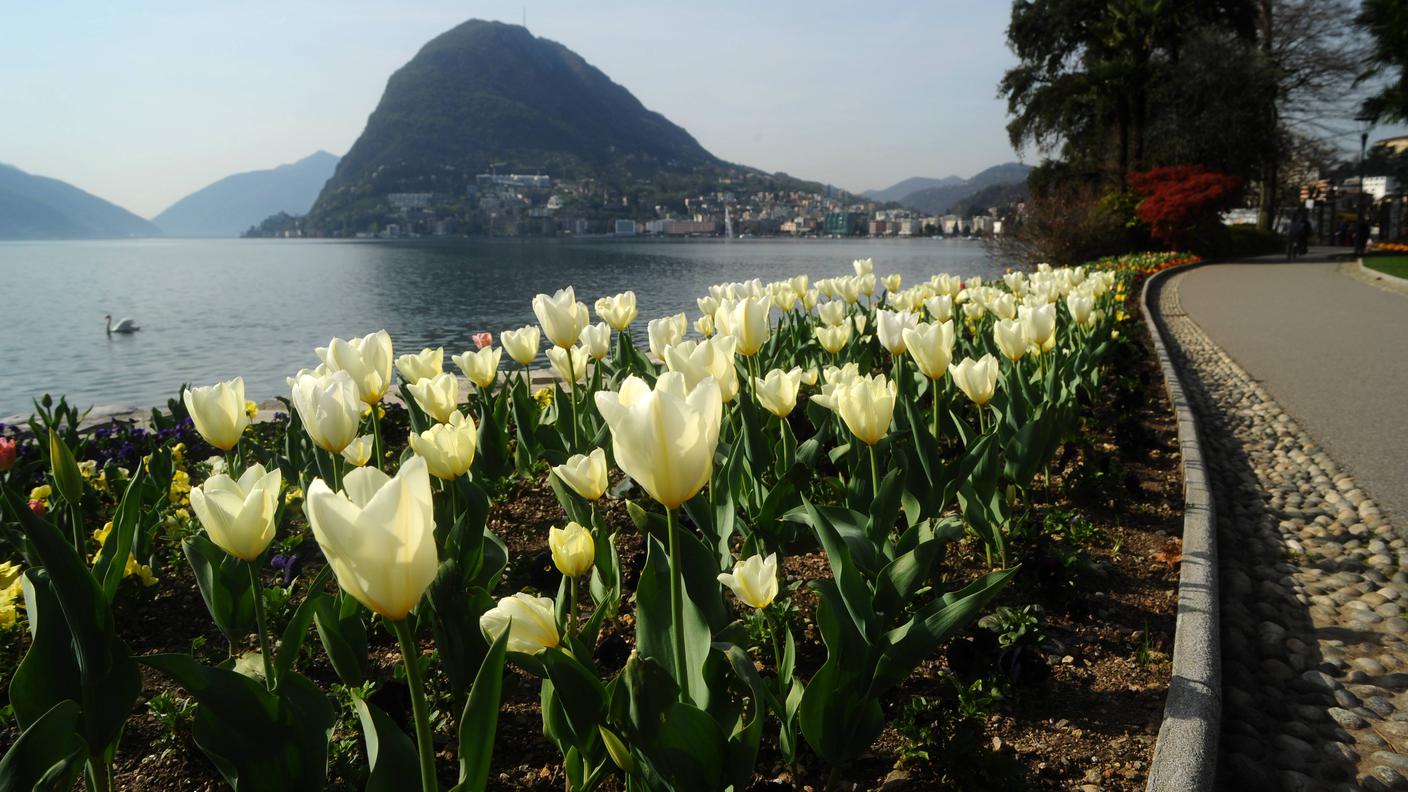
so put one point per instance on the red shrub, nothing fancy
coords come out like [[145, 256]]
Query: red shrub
[[1177, 199]]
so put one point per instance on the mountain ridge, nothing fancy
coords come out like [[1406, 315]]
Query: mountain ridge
[[940, 199], [41, 207], [230, 205]]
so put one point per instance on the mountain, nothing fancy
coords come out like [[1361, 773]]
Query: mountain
[[235, 203], [941, 199], [913, 184], [491, 97], [37, 207]]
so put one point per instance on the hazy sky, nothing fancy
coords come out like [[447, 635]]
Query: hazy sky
[[143, 102]]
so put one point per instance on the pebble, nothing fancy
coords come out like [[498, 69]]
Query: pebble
[[1315, 639]]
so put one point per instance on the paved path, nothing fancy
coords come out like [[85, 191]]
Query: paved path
[[1312, 584], [1330, 349]]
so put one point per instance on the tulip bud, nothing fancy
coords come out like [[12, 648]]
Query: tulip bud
[[664, 438], [860, 324], [890, 327], [439, 396], [239, 515], [359, 451], [378, 535], [832, 313], [596, 340], [867, 405], [746, 320], [482, 339], [833, 339], [863, 267], [585, 474], [665, 332], [328, 407], [931, 346], [9, 452], [618, 311], [704, 325], [754, 580], [366, 359], [531, 622], [481, 367], [620, 754], [448, 448], [1039, 325], [777, 391], [573, 549], [425, 364], [561, 316], [976, 378], [1082, 307], [218, 412], [892, 283], [522, 344], [570, 365], [940, 307]]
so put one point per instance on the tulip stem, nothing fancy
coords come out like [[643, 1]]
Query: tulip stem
[[572, 607], [874, 476], [677, 605], [572, 413], [376, 437], [419, 710], [261, 625], [934, 388]]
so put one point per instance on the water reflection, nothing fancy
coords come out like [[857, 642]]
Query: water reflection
[[211, 309]]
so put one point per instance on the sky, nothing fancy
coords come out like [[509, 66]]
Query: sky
[[145, 101], [142, 103]]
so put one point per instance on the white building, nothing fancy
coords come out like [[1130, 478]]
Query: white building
[[1379, 186], [625, 228]]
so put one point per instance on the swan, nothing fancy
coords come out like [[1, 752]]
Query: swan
[[123, 326]]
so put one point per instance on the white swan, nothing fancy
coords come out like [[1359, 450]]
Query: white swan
[[124, 326]]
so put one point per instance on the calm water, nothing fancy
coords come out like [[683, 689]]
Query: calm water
[[213, 309]]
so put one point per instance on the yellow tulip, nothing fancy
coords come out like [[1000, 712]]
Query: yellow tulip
[[976, 378], [366, 359], [423, 365], [940, 306], [777, 391], [596, 340], [1082, 308], [833, 339], [618, 311], [1039, 324], [448, 448], [698, 360], [218, 412], [832, 313], [359, 451], [746, 320], [531, 622], [1011, 338], [573, 549], [931, 346], [439, 396], [890, 327], [863, 267], [239, 515], [480, 366], [867, 404], [665, 332], [570, 365], [585, 474], [753, 580], [561, 316], [378, 535], [329, 408], [704, 325], [664, 438], [522, 344], [892, 283]]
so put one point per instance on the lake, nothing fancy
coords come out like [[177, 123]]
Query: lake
[[213, 309]]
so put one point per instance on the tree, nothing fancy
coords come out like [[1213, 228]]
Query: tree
[[1386, 22], [1088, 69], [1180, 200]]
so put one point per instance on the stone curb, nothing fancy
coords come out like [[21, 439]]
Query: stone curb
[[1376, 278], [1185, 755]]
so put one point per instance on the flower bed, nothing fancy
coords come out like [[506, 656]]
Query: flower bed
[[831, 539]]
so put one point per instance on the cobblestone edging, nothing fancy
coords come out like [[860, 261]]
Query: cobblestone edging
[[1356, 269], [1315, 671], [1185, 755]]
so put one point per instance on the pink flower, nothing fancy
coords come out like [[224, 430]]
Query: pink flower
[[482, 340], [8, 451], [37, 506]]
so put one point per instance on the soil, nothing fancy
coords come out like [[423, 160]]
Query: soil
[[1080, 711]]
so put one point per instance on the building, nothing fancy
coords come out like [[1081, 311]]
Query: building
[[878, 228], [1397, 145], [1377, 187], [626, 228], [841, 223]]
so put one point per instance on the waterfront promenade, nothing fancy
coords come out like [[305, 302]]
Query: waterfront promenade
[[1297, 375]]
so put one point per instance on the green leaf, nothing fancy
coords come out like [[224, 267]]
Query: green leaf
[[854, 592], [902, 578], [296, 632], [67, 478], [344, 637], [580, 693], [392, 757], [223, 583], [111, 564], [480, 719], [256, 739], [931, 627], [48, 755], [742, 747]]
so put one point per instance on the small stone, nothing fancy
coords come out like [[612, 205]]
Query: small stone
[[1345, 718], [1380, 705], [1318, 680]]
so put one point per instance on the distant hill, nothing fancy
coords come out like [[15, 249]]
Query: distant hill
[[37, 207], [911, 185], [490, 96], [941, 200], [234, 203]]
